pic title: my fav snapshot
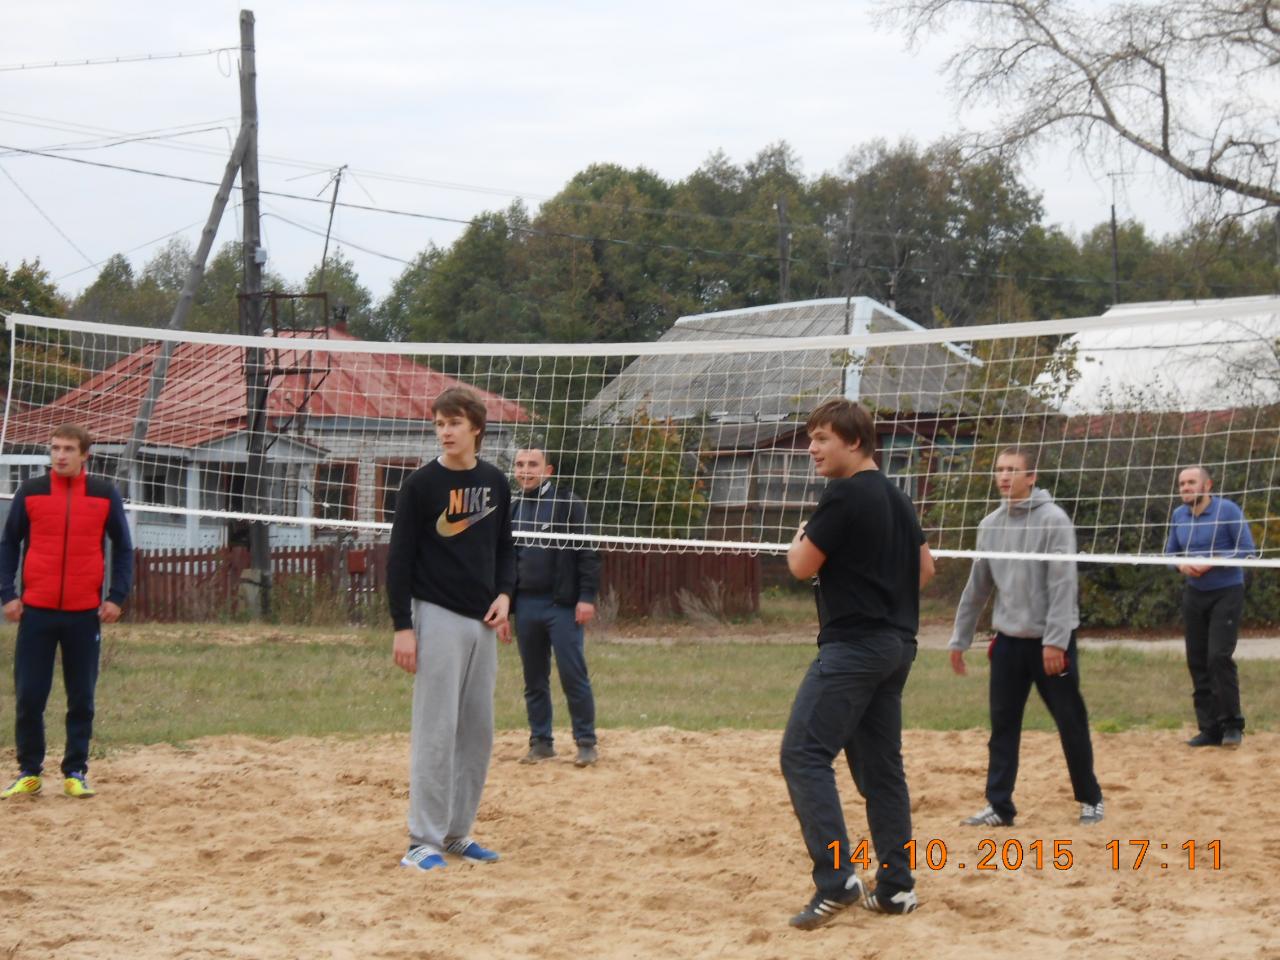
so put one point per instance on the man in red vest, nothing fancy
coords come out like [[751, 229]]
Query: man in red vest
[[57, 524]]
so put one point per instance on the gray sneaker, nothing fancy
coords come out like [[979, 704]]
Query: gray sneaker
[[587, 756], [986, 817], [1091, 813], [539, 750]]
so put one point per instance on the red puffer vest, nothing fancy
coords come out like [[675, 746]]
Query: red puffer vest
[[63, 569]]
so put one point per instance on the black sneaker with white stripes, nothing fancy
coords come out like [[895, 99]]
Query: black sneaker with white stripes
[[987, 817], [823, 909], [905, 901]]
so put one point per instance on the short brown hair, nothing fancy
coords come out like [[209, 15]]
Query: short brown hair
[[1026, 453], [461, 402], [73, 431], [1204, 471], [848, 420]]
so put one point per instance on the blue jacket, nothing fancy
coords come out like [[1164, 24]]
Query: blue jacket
[[1220, 531]]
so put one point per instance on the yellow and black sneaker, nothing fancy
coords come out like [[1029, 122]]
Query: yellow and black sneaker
[[76, 786], [28, 784]]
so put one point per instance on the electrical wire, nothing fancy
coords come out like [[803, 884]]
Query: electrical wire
[[589, 238], [103, 61], [48, 219]]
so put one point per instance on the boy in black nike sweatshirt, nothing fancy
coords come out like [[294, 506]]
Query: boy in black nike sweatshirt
[[451, 571]]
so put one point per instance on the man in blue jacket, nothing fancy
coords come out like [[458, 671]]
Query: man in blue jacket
[[1208, 526], [556, 586]]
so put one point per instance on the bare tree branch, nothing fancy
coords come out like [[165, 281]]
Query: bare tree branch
[[1191, 83]]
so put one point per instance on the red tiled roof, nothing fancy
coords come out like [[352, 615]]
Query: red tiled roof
[[203, 398]]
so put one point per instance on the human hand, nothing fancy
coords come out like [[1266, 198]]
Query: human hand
[[584, 613], [13, 610], [1055, 661], [404, 650], [497, 613], [957, 663], [109, 612]]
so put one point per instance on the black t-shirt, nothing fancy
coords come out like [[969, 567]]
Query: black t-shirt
[[870, 582], [451, 541]]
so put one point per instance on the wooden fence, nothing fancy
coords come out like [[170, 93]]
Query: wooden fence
[[350, 582]]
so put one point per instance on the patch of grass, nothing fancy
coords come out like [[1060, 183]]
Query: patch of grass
[[167, 683]]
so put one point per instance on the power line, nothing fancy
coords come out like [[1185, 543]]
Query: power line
[[141, 246], [130, 58], [48, 219], [316, 167], [588, 238]]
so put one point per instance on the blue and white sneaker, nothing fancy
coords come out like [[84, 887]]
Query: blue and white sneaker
[[422, 858], [468, 849]]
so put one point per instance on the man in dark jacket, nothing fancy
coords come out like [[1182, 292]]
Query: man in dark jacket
[[56, 525], [556, 589]]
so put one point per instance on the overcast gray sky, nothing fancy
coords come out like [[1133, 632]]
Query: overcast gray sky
[[450, 108]]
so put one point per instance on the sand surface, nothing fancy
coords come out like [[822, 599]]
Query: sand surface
[[677, 845]]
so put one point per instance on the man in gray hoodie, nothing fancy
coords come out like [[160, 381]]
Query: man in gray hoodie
[[1035, 618]]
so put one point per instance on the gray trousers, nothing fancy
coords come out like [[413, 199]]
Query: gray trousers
[[452, 733]]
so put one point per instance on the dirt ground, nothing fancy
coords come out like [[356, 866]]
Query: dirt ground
[[677, 845]]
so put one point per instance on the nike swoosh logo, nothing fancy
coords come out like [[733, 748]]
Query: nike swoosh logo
[[451, 528]]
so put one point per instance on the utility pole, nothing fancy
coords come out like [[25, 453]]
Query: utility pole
[[127, 473], [1115, 245], [1276, 272], [256, 487], [848, 288], [324, 256], [784, 251]]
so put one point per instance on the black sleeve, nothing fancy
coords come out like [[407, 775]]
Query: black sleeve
[[505, 554], [588, 560], [828, 528], [121, 550], [401, 557], [16, 527]]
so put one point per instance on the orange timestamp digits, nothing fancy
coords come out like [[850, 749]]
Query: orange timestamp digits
[[1013, 854], [933, 854]]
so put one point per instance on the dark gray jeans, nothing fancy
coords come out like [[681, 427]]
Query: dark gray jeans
[[851, 700], [1212, 619]]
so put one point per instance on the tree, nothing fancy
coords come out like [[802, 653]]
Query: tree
[[393, 318], [45, 368], [1169, 78], [118, 296], [348, 297], [473, 292]]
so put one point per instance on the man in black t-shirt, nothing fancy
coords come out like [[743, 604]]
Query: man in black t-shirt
[[864, 548]]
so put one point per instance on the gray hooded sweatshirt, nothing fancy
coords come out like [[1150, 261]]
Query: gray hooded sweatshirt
[[1034, 598]]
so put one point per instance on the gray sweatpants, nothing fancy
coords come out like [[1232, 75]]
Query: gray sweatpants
[[452, 735]]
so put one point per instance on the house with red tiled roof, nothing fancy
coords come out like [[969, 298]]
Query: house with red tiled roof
[[342, 430]]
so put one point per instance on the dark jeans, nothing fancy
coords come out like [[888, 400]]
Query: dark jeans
[[1212, 619], [40, 632], [851, 700], [543, 626], [1016, 664]]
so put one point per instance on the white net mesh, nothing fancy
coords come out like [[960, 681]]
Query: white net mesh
[[694, 442]]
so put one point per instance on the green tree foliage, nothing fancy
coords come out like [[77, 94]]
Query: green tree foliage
[[474, 291], [349, 299], [44, 370]]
